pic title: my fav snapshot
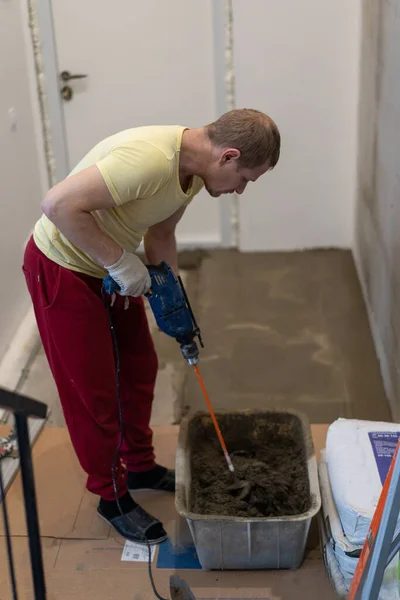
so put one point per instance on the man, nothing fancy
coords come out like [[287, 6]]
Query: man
[[133, 185]]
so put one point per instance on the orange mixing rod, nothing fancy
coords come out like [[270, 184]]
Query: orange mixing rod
[[214, 420]]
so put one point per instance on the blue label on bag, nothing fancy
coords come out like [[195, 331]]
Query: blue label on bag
[[383, 445]]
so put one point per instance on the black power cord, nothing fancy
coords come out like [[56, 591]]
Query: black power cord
[[117, 451]]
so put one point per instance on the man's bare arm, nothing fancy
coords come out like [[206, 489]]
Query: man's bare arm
[[160, 242], [69, 205]]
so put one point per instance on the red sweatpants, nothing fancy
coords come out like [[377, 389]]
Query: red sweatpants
[[75, 333]]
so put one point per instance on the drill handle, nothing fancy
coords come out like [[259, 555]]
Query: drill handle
[[158, 273], [196, 328], [110, 285]]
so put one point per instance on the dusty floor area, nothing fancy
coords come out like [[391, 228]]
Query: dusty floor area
[[280, 330], [286, 330]]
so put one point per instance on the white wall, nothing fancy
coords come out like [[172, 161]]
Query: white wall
[[298, 62], [377, 248], [22, 173]]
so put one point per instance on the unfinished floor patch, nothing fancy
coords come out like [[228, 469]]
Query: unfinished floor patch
[[286, 329]]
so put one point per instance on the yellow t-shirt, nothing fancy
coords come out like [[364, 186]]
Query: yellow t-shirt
[[141, 170]]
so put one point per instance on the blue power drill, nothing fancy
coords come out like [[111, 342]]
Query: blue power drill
[[171, 308]]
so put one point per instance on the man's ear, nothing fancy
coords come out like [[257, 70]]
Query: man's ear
[[228, 155]]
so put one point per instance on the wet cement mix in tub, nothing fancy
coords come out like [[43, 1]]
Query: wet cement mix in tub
[[269, 456]]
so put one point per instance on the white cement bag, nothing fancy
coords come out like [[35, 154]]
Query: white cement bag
[[340, 555], [333, 524], [331, 564], [327, 518], [358, 454]]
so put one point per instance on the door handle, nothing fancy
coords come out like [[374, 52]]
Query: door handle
[[66, 76]]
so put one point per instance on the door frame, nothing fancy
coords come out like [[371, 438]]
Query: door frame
[[221, 11], [55, 109], [54, 106]]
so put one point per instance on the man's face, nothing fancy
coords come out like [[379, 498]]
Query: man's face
[[224, 174]]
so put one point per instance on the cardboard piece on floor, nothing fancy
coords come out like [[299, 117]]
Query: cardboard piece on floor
[[66, 508], [87, 563], [5, 430]]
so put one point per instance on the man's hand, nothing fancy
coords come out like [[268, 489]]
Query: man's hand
[[131, 275]]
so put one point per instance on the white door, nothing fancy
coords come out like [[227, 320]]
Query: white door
[[148, 62]]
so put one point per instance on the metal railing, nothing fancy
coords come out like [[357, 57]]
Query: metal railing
[[24, 407]]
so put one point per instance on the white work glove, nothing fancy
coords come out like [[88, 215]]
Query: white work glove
[[131, 275]]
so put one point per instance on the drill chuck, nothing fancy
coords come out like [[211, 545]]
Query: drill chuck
[[190, 352]]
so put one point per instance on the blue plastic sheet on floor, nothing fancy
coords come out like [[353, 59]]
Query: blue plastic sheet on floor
[[176, 557]]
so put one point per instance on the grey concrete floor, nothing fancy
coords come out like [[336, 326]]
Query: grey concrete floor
[[285, 330]]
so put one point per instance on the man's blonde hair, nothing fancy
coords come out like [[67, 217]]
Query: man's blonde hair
[[250, 131]]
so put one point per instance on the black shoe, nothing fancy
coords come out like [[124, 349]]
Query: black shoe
[[159, 478], [137, 526]]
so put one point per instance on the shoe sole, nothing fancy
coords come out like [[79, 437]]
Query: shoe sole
[[140, 542]]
